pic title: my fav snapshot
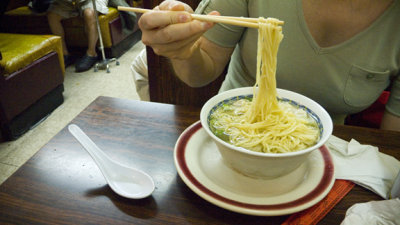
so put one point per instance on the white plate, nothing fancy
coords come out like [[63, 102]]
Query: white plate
[[200, 166]]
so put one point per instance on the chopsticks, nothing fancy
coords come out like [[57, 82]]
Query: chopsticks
[[237, 21]]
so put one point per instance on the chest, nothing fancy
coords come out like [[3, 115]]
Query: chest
[[333, 22]]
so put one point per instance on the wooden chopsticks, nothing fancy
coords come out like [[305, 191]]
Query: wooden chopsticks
[[237, 21]]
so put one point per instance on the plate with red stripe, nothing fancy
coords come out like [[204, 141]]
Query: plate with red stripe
[[202, 169]]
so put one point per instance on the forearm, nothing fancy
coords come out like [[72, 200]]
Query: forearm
[[206, 62], [196, 71]]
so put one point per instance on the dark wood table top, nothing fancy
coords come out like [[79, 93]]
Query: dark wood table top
[[62, 185]]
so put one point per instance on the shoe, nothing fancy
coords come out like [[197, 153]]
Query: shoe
[[68, 60], [85, 63]]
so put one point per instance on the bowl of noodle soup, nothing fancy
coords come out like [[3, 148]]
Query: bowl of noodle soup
[[272, 147], [263, 131]]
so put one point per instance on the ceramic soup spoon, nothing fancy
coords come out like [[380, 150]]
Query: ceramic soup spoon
[[125, 181]]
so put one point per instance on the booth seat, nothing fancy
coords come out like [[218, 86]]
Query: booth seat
[[31, 81]]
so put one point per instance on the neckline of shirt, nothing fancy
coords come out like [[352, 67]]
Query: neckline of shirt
[[324, 50]]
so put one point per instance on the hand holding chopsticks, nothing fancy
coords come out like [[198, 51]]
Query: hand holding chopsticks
[[237, 21]]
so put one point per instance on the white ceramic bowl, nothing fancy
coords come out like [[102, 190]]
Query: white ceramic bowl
[[266, 165]]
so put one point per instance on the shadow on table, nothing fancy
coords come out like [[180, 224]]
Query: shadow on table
[[147, 206]]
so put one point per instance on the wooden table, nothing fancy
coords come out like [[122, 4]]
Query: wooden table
[[62, 185]]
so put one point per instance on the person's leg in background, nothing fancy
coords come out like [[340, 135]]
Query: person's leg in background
[[57, 28], [91, 31], [89, 17], [90, 58], [58, 11]]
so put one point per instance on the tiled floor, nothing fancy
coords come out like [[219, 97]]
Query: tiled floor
[[6, 171]]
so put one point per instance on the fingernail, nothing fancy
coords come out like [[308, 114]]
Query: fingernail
[[183, 18]]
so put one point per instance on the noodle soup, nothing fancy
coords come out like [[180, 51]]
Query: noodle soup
[[264, 120], [227, 119], [264, 124], [264, 164]]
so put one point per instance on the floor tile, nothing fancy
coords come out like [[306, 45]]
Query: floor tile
[[6, 171]]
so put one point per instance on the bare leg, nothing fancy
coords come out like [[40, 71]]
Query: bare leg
[[91, 30], [57, 28]]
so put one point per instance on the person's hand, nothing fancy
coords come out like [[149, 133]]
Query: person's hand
[[170, 30]]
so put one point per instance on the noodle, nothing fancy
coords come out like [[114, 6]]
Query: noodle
[[263, 123]]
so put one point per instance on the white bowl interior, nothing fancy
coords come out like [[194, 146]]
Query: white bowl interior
[[323, 118]]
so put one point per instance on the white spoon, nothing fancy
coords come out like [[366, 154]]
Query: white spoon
[[125, 181]]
